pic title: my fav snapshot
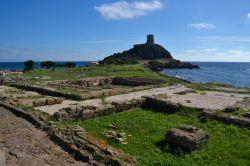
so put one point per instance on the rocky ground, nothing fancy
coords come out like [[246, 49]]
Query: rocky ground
[[21, 144], [214, 100]]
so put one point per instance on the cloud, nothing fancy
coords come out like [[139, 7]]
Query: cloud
[[248, 16], [217, 55], [128, 10], [23, 54], [202, 25]]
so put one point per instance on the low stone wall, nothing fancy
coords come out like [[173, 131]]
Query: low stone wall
[[88, 112], [52, 92], [160, 105], [46, 91], [84, 146], [91, 149], [87, 82], [46, 101], [228, 119], [136, 81], [99, 81]]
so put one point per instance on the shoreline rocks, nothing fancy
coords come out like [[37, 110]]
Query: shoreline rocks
[[159, 65]]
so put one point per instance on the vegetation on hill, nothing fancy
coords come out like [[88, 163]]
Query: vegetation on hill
[[139, 52], [154, 56]]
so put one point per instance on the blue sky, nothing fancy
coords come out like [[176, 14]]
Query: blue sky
[[192, 30]]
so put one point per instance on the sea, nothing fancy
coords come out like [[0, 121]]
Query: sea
[[232, 73], [20, 66]]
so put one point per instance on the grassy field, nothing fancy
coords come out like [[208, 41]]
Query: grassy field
[[118, 70], [76, 73], [228, 145]]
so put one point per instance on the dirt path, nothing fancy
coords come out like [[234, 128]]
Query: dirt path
[[25, 145]]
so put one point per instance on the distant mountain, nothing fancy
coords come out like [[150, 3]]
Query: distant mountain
[[152, 55]]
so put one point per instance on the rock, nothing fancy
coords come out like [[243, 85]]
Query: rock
[[247, 115], [186, 137], [115, 136], [52, 101], [113, 126], [2, 158], [45, 77], [231, 109], [74, 112], [48, 101], [62, 114], [39, 102]]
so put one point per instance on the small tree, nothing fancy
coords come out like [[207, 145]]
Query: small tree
[[48, 64], [70, 65], [29, 65]]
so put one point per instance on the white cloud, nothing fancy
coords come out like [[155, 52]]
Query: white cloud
[[248, 16], [216, 55], [128, 10], [202, 25]]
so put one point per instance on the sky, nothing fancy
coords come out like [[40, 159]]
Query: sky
[[89, 30]]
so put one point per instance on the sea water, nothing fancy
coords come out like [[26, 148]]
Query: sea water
[[20, 66], [233, 73]]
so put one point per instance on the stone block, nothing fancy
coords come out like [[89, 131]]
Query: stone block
[[186, 137]]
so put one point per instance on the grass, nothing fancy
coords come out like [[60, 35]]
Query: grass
[[207, 86], [228, 145], [77, 73]]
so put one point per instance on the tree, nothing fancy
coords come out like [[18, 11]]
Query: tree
[[29, 65], [70, 65], [48, 64]]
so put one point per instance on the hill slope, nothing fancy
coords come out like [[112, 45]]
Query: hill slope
[[153, 56]]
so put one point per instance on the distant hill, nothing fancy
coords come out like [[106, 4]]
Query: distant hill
[[153, 55]]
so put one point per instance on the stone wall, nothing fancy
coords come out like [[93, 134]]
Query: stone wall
[[75, 140], [228, 119], [160, 105], [136, 81], [99, 81], [91, 149], [88, 112], [47, 91], [87, 82]]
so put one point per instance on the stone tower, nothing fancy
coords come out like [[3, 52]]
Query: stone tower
[[150, 39]]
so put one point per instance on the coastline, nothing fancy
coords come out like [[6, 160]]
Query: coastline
[[72, 101]]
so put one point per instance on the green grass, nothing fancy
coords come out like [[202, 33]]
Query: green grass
[[228, 145], [76, 73], [207, 86]]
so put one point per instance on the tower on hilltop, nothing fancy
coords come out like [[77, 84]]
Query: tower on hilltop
[[150, 39]]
